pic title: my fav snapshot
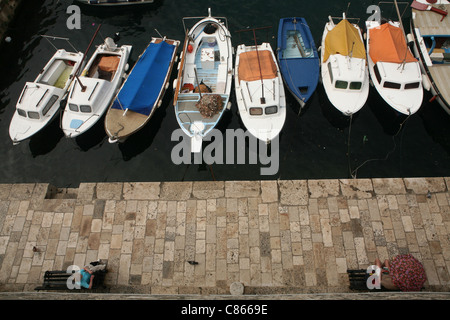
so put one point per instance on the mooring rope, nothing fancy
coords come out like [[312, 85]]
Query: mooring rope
[[354, 172]]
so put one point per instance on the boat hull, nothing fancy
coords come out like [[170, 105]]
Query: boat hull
[[391, 78], [205, 64], [346, 69], [92, 92], [120, 123], [436, 76], [264, 126], [40, 101], [298, 59]]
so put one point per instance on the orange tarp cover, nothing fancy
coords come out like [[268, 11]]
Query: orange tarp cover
[[344, 39], [109, 64], [387, 44], [249, 67]]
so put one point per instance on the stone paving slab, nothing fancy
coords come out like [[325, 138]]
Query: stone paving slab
[[197, 238]]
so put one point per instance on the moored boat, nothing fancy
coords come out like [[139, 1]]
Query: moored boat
[[394, 71], [143, 90], [202, 88], [344, 72], [93, 91], [113, 3], [298, 59], [40, 100], [260, 91], [430, 35]]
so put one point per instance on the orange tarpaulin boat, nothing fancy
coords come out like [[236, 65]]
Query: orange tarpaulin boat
[[249, 66], [387, 44], [344, 39]]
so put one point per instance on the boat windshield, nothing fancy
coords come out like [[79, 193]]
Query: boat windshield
[[33, 115], [271, 110]]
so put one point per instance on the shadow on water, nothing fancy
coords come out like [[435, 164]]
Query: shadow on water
[[336, 118], [389, 119], [46, 140], [435, 121], [93, 137]]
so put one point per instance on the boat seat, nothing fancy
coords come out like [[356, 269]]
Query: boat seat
[[53, 72]]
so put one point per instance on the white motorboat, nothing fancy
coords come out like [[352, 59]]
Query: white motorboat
[[202, 88], [260, 91], [430, 34], [40, 100], [92, 92], [345, 76], [394, 71]]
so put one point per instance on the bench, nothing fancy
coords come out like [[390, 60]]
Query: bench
[[57, 280]]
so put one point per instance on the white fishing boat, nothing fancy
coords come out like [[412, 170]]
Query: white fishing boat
[[260, 91], [113, 3], [344, 72], [40, 100], [430, 35], [93, 91], [394, 71], [203, 85]]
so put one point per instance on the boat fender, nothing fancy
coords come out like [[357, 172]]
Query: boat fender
[[167, 85], [127, 66], [426, 83], [410, 38], [229, 105], [190, 48], [159, 103], [174, 83], [179, 64], [176, 58]]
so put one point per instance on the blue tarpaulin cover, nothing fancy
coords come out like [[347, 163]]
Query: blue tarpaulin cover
[[140, 91]]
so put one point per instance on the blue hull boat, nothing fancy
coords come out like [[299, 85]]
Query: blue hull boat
[[142, 92], [298, 58]]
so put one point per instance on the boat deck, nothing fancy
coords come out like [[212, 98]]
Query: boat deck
[[441, 75], [430, 23]]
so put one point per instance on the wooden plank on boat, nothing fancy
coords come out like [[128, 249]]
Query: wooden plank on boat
[[123, 126], [441, 76], [430, 23]]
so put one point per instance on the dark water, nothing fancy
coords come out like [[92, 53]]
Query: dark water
[[313, 145]]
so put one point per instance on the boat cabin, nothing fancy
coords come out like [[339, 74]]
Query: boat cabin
[[259, 86], [53, 82], [346, 73], [91, 88], [387, 75]]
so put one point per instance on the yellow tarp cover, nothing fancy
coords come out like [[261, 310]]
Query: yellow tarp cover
[[387, 44], [344, 39], [249, 67]]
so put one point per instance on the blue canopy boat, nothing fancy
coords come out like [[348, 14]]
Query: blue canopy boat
[[142, 92], [298, 58]]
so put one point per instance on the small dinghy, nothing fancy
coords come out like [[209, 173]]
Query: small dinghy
[[298, 59], [93, 91], [40, 100], [143, 90]]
